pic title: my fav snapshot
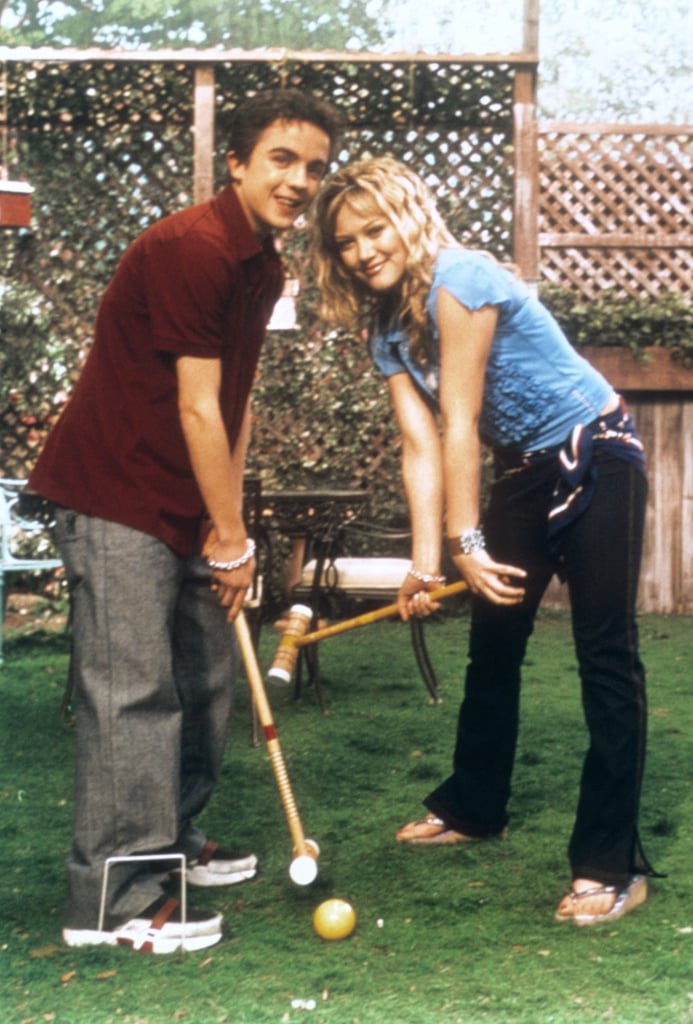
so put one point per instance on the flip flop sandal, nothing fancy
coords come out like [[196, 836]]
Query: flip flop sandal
[[432, 831], [630, 896]]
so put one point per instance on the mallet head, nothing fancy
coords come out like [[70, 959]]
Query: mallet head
[[304, 869], [300, 617]]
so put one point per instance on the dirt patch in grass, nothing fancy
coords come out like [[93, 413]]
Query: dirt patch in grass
[[25, 613]]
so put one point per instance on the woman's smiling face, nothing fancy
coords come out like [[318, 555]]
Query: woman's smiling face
[[370, 246]]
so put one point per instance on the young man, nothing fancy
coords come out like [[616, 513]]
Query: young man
[[151, 444]]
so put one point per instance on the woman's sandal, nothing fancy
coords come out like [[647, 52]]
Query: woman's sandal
[[633, 893], [433, 831]]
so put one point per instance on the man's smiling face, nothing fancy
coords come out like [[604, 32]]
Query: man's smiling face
[[282, 175]]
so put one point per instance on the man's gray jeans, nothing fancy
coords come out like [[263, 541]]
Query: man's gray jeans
[[154, 665]]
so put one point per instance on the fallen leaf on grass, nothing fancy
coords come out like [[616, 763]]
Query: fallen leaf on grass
[[103, 975], [68, 977], [44, 951]]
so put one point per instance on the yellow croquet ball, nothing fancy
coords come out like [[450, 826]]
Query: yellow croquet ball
[[334, 919]]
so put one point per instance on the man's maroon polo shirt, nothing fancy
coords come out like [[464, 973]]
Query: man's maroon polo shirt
[[197, 283]]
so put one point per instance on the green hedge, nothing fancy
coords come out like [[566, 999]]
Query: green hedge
[[635, 324]]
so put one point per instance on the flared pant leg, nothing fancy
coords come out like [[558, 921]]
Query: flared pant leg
[[602, 555], [474, 798]]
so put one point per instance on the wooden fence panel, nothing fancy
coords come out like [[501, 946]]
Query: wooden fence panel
[[665, 422], [687, 512], [660, 423]]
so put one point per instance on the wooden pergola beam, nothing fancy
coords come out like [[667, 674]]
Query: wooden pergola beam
[[24, 54]]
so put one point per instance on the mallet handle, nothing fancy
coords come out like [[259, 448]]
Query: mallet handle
[[267, 722], [367, 618]]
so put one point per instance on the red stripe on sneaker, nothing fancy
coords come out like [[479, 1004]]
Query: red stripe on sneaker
[[162, 915], [207, 852]]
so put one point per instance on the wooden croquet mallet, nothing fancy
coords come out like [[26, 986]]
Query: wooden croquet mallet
[[296, 634], [304, 866]]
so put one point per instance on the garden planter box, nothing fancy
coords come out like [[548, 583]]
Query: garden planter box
[[655, 371], [15, 204]]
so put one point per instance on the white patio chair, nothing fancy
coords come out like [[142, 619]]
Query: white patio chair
[[15, 526]]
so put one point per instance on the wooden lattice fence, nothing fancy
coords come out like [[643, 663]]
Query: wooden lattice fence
[[111, 143], [616, 208]]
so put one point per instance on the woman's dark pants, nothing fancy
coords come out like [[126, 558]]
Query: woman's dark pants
[[600, 562]]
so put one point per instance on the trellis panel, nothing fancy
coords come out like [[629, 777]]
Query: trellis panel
[[111, 142], [616, 208]]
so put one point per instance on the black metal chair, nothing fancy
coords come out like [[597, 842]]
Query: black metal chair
[[332, 582]]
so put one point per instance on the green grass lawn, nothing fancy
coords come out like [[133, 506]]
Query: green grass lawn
[[458, 935]]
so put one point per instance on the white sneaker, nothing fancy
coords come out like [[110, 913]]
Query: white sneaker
[[158, 929], [214, 866]]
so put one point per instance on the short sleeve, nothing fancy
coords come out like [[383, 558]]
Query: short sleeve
[[474, 279], [189, 285], [384, 351]]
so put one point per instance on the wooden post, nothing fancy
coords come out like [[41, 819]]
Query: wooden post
[[530, 38], [526, 194], [203, 134]]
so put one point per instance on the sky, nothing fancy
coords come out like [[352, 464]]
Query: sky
[[630, 59], [608, 60]]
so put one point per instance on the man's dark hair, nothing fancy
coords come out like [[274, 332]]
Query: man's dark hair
[[256, 114]]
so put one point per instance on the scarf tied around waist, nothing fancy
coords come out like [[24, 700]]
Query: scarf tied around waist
[[613, 434]]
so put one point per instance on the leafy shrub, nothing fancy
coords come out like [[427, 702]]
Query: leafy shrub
[[632, 323]]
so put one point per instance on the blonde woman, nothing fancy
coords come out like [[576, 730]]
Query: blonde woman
[[472, 358]]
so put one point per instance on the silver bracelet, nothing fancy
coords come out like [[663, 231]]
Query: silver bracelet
[[424, 577], [469, 542], [238, 563]]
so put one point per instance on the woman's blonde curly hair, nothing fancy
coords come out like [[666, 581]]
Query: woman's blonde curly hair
[[384, 186]]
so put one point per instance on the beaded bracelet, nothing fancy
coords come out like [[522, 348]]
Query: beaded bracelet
[[424, 577], [238, 563], [469, 542]]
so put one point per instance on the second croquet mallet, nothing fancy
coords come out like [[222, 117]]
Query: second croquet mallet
[[296, 634], [304, 867]]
